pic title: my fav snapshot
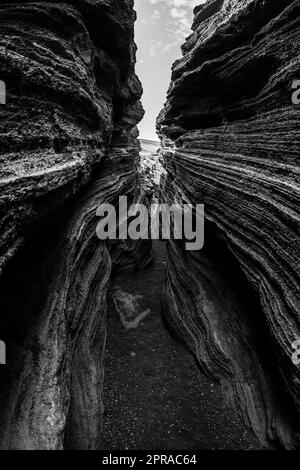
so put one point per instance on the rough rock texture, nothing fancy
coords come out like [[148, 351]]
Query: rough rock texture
[[150, 169], [231, 140], [69, 70], [68, 143]]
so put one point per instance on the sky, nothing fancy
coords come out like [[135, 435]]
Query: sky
[[161, 27]]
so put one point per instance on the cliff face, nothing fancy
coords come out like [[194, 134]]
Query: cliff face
[[230, 140], [69, 72], [68, 143]]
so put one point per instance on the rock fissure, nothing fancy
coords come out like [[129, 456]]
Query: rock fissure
[[132, 344]]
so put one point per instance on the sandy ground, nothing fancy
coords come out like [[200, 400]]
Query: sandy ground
[[156, 397]]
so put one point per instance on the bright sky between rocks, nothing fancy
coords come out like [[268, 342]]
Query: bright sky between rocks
[[161, 28]]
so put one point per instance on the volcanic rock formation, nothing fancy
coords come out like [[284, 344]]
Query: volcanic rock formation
[[150, 169], [230, 140], [68, 143]]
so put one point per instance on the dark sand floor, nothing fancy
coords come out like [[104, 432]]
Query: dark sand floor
[[156, 397]]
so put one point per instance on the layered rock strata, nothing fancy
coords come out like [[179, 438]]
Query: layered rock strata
[[150, 169], [68, 144], [230, 140]]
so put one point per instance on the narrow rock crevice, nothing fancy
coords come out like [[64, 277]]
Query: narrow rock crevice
[[156, 397], [129, 344]]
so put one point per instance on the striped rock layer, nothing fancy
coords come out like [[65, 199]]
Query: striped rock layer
[[68, 143], [230, 140]]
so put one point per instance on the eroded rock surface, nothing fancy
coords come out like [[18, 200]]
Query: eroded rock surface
[[68, 143], [230, 139]]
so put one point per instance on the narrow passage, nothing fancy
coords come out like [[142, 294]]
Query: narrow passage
[[156, 397]]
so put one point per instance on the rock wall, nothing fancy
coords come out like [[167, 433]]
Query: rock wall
[[230, 140], [150, 169], [68, 143]]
